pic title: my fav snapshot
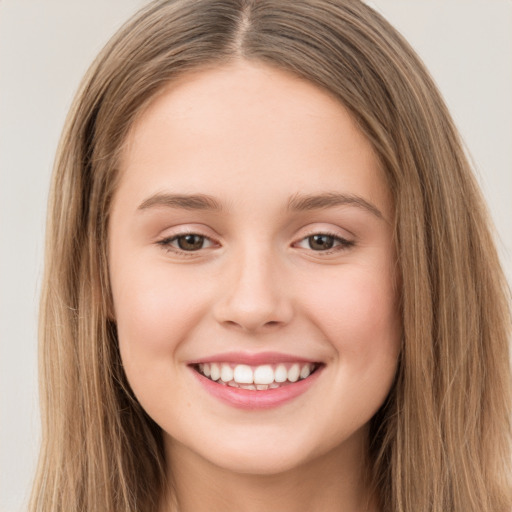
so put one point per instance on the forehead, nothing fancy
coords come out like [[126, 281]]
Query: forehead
[[252, 125]]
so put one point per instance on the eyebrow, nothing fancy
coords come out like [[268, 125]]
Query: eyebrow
[[301, 202], [184, 201], [298, 202]]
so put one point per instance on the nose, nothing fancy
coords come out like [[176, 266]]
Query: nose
[[253, 294]]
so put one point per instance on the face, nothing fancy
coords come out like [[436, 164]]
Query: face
[[252, 270]]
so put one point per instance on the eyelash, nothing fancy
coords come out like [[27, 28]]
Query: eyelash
[[166, 243], [342, 243]]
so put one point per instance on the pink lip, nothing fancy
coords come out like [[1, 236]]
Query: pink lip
[[252, 359], [259, 399]]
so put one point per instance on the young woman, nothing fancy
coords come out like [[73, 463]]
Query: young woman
[[270, 281]]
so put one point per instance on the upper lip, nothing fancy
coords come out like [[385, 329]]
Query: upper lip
[[252, 359]]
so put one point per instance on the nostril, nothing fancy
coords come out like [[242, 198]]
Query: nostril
[[248, 324]]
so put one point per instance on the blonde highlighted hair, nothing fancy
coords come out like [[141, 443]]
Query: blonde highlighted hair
[[441, 442]]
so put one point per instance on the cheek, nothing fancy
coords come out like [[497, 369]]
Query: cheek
[[359, 317], [154, 313]]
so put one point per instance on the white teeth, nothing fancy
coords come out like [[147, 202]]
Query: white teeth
[[243, 374], [264, 374], [281, 373], [305, 371], [258, 378], [293, 373], [214, 371], [226, 373]]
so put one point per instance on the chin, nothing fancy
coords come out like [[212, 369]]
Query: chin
[[259, 462], [250, 452]]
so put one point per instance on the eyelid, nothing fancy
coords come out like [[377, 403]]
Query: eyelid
[[186, 229], [344, 243], [341, 242], [166, 241]]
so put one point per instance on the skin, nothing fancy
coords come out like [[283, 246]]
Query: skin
[[252, 137]]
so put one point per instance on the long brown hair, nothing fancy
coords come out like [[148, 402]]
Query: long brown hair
[[441, 442]]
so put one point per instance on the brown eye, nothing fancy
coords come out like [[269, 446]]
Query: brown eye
[[187, 243], [190, 242], [324, 243], [321, 242]]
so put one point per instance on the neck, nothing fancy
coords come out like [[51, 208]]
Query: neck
[[332, 482]]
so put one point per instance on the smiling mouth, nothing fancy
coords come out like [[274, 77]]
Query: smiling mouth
[[256, 378]]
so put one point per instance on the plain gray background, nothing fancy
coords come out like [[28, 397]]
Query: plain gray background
[[46, 46]]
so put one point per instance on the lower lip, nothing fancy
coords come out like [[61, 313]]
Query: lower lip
[[257, 399]]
